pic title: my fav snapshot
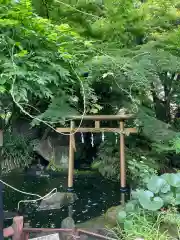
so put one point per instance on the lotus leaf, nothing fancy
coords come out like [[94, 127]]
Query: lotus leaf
[[149, 202], [134, 194], [172, 179], [168, 198], [177, 199], [131, 205], [157, 184]]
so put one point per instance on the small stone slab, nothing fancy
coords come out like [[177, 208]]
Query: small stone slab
[[54, 236]]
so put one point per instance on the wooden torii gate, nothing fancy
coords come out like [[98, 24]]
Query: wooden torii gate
[[97, 129]]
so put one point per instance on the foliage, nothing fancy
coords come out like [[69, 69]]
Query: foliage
[[15, 153], [139, 168], [150, 225], [39, 61], [161, 192], [142, 225], [46, 46], [149, 209]]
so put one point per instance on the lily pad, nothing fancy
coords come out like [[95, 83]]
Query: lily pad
[[149, 202], [172, 179], [157, 184]]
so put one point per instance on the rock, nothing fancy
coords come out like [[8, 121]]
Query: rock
[[36, 171], [97, 225], [69, 224], [51, 149], [57, 201], [111, 214], [22, 127]]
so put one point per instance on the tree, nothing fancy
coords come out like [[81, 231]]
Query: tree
[[130, 50]]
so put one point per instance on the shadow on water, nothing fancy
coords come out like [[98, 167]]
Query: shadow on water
[[95, 195]]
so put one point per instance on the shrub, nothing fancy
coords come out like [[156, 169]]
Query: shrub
[[161, 193], [16, 152]]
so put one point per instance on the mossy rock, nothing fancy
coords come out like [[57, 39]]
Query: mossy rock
[[108, 220], [111, 214]]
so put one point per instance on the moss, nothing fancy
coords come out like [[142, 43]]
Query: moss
[[111, 214]]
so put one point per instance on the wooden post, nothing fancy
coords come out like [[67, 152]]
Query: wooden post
[[71, 160], [122, 157], [1, 138], [1, 212], [18, 228], [97, 124], [122, 164], [8, 232]]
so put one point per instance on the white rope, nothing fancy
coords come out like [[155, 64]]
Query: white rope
[[47, 196]]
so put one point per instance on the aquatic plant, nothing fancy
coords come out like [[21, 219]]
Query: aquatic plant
[[141, 225], [161, 193]]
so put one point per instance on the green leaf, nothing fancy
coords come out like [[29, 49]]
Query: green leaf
[[149, 202], [157, 184], [177, 199], [128, 224], [130, 206], [168, 198], [172, 179], [134, 194], [121, 216], [2, 89]]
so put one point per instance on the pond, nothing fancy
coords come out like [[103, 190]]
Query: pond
[[95, 195]]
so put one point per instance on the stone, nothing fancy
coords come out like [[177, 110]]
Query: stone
[[111, 214], [50, 149], [97, 225], [23, 128], [57, 201], [67, 223]]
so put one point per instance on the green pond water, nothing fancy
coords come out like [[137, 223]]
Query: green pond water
[[95, 195]]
